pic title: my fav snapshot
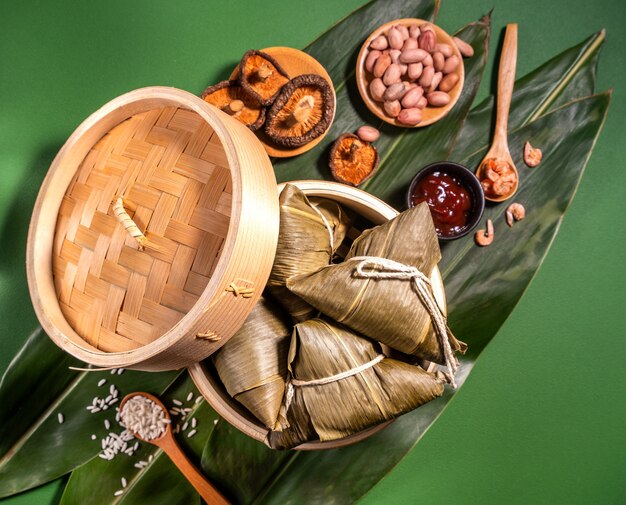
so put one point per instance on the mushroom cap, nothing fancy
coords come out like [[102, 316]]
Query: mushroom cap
[[264, 90], [353, 165], [222, 94], [309, 94]]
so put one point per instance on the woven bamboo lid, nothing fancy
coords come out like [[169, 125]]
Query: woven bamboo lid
[[154, 232]]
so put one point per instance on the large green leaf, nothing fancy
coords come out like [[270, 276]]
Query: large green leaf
[[36, 448], [343, 475], [482, 285], [159, 483]]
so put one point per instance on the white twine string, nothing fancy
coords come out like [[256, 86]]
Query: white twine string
[[292, 383], [383, 268]]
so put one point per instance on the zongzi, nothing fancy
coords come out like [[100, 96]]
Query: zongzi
[[382, 289], [338, 220], [341, 383], [304, 245], [253, 363]]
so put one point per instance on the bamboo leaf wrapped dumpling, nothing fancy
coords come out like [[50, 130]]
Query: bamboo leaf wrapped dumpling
[[341, 384], [337, 219], [305, 243], [381, 302], [253, 363]]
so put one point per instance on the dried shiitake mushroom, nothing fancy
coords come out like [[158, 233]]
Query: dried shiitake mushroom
[[231, 98], [353, 161], [261, 76], [302, 111]]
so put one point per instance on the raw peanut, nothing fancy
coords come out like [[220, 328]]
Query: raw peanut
[[427, 26], [428, 61], [371, 59], [395, 55], [451, 63], [394, 92], [427, 40], [448, 82], [410, 99], [414, 31], [383, 61], [377, 89], [404, 31], [409, 43], [413, 56], [438, 98], [414, 71], [403, 68], [465, 49], [392, 74], [410, 116], [427, 77], [380, 43], [438, 60], [409, 85], [422, 103], [392, 108], [444, 49], [395, 38], [435, 82], [368, 133]]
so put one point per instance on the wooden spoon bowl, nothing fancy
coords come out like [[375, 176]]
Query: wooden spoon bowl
[[499, 149], [168, 444], [430, 114]]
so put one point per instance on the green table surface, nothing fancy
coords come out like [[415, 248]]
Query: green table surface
[[541, 419]]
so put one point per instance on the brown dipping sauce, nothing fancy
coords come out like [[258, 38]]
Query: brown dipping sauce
[[449, 201]]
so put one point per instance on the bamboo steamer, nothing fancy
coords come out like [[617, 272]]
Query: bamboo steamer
[[200, 187], [208, 382]]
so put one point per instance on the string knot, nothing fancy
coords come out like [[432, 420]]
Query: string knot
[[240, 290], [372, 267]]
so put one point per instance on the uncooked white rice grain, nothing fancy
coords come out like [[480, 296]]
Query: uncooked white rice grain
[[124, 482], [102, 382], [107, 424], [93, 437], [189, 397], [191, 433], [198, 399], [185, 425], [194, 422], [215, 421], [60, 418], [119, 492], [177, 402], [120, 371], [114, 371], [150, 457]]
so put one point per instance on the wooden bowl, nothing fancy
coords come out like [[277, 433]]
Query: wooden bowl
[[200, 187], [204, 375], [295, 63], [363, 77]]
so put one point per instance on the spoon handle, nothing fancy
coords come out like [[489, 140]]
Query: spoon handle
[[506, 80], [204, 488]]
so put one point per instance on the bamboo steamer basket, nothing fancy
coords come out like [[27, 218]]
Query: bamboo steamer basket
[[200, 187], [208, 382]]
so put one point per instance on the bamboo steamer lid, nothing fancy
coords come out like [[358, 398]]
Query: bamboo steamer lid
[[198, 186]]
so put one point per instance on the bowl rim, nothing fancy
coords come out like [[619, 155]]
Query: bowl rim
[[476, 189]]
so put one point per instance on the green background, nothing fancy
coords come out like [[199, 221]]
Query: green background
[[541, 419]]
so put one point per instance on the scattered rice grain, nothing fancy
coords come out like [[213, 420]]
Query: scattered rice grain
[[215, 421], [120, 371], [119, 492], [107, 424], [198, 399], [93, 437], [124, 482], [185, 425], [189, 397], [191, 433], [60, 418], [194, 422], [177, 402], [102, 382]]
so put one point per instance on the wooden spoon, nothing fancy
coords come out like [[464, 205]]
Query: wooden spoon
[[168, 444], [506, 79]]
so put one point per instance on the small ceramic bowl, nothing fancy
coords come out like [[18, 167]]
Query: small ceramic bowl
[[467, 179]]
